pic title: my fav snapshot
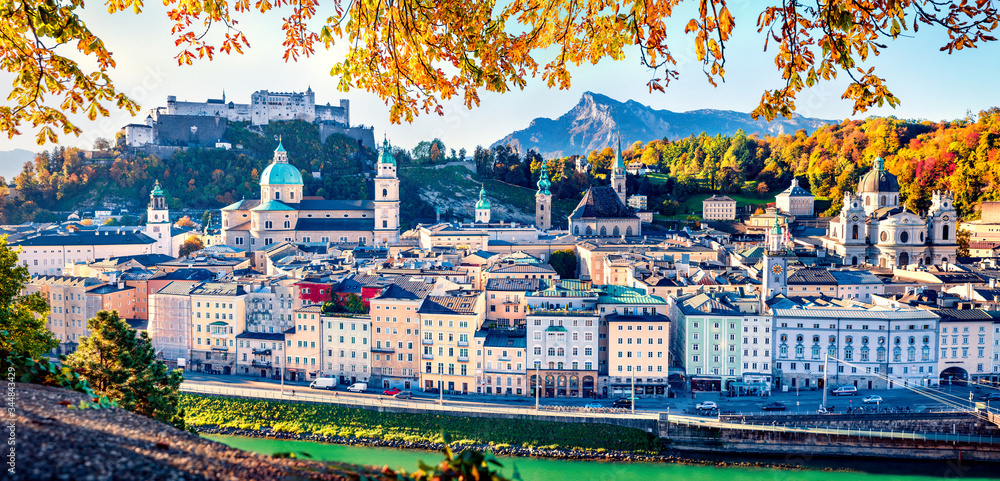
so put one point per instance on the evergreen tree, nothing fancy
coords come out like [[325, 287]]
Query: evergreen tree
[[122, 366], [22, 317]]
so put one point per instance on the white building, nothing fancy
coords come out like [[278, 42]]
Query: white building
[[563, 342], [347, 345], [795, 201]]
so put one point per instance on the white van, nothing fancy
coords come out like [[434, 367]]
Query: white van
[[358, 387], [324, 383], [845, 391]]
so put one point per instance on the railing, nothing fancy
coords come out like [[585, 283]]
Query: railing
[[383, 349], [869, 433], [463, 358], [261, 352], [360, 400], [463, 343], [562, 312], [260, 364], [427, 342], [427, 356]]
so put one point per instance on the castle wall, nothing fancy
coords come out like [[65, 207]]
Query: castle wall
[[190, 130], [366, 135]]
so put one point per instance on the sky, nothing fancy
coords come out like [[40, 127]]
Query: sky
[[931, 84]]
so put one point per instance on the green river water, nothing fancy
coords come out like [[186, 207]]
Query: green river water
[[532, 469]]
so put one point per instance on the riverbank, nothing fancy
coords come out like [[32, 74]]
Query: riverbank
[[501, 450]]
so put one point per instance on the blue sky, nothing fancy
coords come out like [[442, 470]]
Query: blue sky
[[931, 84]]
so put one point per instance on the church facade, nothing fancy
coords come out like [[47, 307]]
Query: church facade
[[602, 211], [874, 229], [283, 214]]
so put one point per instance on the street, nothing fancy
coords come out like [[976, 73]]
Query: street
[[804, 402]]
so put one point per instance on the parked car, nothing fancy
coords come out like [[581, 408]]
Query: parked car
[[992, 397], [844, 391], [392, 391], [593, 406], [706, 406], [622, 403], [873, 399], [358, 387], [403, 395], [774, 406]]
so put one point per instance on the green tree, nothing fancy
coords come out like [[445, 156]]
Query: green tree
[[122, 366], [564, 262], [962, 238], [354, 304], [22, 316]]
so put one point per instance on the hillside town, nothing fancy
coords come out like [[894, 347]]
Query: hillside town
[[298, 288]]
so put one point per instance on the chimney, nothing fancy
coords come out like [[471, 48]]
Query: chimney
[[993, 283]]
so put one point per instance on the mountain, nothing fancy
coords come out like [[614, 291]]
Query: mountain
[[594, 121], [12, 162]]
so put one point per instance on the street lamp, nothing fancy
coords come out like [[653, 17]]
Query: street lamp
[[441, 385], [538, 382], [633, 392]]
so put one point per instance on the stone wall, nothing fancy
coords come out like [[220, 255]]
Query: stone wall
[[960, 423], [365, 135]]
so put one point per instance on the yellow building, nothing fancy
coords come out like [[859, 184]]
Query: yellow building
[[303, 345], [218, 315], [448, 325], [638, 354], [395, 344]]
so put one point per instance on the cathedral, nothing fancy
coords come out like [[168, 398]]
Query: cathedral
[[874, 229], [282, 214]]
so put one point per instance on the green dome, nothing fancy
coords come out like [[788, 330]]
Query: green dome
[[483, 203], [543, 181], [385, 157], [281, 174], [156, 189]]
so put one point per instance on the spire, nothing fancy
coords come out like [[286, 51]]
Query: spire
[[385, 157], [156, 188], [543, 181], [280, 154], [483, 203], [619, 162], [878, 163]]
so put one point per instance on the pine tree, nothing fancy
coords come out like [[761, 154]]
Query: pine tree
[[122, 366]]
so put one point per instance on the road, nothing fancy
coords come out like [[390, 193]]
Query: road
[[796, 402]]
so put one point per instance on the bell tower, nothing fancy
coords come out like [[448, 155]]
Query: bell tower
[[543, 201], [158, 222], [386, 198], [774, 276], [483, 207]]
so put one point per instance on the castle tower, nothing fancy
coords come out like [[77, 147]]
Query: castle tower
[[774, 276], [618, 174], [483, 207], [386, 197], [158, 222], [281, 181], [543, 201]]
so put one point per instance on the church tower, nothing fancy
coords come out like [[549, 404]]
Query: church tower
[[618, 174], [158, 222], [386, 198], [543, 201], [280, 180], [852, 229], [483, 207], [941, 226], [774, 277]]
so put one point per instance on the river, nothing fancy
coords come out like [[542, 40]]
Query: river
[[534, 469]]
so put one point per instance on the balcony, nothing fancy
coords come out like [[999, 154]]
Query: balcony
[[511, 301], [387, 349], [260, 364], [261, 352], [428, 356], [563, 312], [427, 342], [463, 358], [463, 343]]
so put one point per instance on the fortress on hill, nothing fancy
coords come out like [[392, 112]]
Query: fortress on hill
[[204, 124]]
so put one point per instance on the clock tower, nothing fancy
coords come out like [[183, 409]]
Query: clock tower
[[158, 222], [774, 276]]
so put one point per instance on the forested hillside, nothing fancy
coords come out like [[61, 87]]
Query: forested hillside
[[962, 156]]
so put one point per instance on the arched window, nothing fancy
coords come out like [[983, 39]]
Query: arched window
[[552, 351], [604, 231], [854, 232], [615, 232], [385, 193], [589, 230], [944, 232], [628, 231], [560, 352], [854, 260], [868, 200], [576, 230], [541, 206], [882, 202]]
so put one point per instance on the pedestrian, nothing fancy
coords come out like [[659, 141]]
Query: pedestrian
[[293, 392]]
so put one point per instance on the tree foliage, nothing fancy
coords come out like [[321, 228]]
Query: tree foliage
[[123, 366], [190, 245], [415, 54], [22, 316], [564, 262]]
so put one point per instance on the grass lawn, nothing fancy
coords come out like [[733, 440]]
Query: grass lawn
[[693, 203]]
